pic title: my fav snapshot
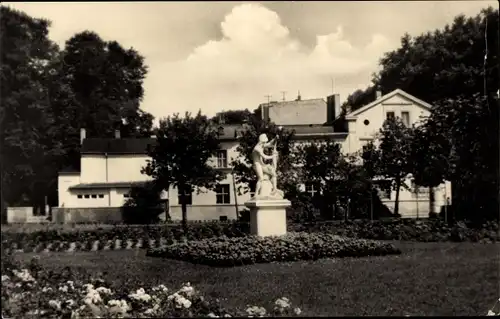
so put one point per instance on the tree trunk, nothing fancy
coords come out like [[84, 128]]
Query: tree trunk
[[396, 202], [182, 190]]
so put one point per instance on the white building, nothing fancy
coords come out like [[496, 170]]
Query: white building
[[109, 167]]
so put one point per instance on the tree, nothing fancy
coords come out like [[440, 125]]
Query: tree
[[393, 152], [441, 64], [244, 175], [180, 158], [448, 68], [97, 85], [460, 142], [143, 206], [24, 120]]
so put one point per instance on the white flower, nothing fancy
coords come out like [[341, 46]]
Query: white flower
[[282, 303], [104, 290], [63, 288], [491, 313], [297, 311], [212, 315], [187, 289], [149, 311], [227, 315], [56, 304], [70, 302], [5, 278], [46, 289], [88, 287]]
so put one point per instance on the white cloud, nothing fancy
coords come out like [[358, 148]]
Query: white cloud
[[257, 56]]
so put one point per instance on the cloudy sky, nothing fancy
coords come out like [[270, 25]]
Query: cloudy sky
[[230, 55]]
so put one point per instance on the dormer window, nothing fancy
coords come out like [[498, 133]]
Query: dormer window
[[220, 130], [389, 115]]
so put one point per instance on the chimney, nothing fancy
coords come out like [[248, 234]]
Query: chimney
[[117, 133], [264, 110], [220, 118], [332, 107], [378, 94], [299, 98], [83, 135]]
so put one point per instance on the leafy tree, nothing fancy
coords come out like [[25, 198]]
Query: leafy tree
[[391, 159], [143, 206], [443, 151], [181, 155], [24, 121], [244, 175], [441, 64], [97, 86]]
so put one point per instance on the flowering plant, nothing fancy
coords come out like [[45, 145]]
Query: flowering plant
[[31, 292]]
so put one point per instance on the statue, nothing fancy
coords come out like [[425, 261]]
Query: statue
[[266, 172]]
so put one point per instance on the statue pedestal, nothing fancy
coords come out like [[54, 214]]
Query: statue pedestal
[[268, 216]]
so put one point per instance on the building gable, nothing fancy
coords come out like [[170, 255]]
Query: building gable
[[396, 97]]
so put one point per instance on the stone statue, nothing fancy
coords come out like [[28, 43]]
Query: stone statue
[[266, 172]]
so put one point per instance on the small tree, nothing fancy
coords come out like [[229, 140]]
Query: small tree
[[242, 165], [143, 206], [180, 158], [394, 155]]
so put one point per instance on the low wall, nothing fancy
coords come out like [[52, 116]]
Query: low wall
[[19, 214], [205, 212], [87, 215]]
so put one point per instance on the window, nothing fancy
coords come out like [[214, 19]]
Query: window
[[389, 115], [188, 197], [366, 122], [94, 195], [222, 194], [223, 218], [405, 116], [312, 189], [101, 195], [222, 158], [87, 196], [126, 195], [79, 196]]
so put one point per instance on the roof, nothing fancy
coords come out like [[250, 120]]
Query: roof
[[69, 170], [116, 145], [140, 145], [106, 185], [386, 97]]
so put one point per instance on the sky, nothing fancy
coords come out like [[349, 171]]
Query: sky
[[217, 56]]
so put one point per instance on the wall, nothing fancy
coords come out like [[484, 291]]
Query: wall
[[299, 112], [360, 134], [64, 181], [205, 212], [125, 168], [93, 168], [87, 215]]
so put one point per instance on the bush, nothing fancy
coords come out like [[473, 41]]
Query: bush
[[227, 252]]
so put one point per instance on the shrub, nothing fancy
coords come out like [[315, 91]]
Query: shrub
[[224, 251]]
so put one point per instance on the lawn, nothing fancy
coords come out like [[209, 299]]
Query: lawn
[[427, 279]]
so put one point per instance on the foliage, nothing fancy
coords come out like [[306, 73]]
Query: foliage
[[181, 157], [243, 173], [451, 68], [24, 120], [223, 251], [390, 159], [441, 151], [143, 206], [33, 291]]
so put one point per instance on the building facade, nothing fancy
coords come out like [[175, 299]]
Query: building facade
[[110, 167]]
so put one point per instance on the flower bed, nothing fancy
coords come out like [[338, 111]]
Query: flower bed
[[227, 252], [29, 291], [97, 237]]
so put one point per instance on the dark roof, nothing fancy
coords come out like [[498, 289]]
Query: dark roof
[[229, 133], [116, 145], [69, 170], [106, 185]]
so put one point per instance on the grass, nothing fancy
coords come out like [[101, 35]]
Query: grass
[[427, 279]]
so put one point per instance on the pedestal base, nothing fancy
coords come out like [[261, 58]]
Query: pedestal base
[[268, 216]]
